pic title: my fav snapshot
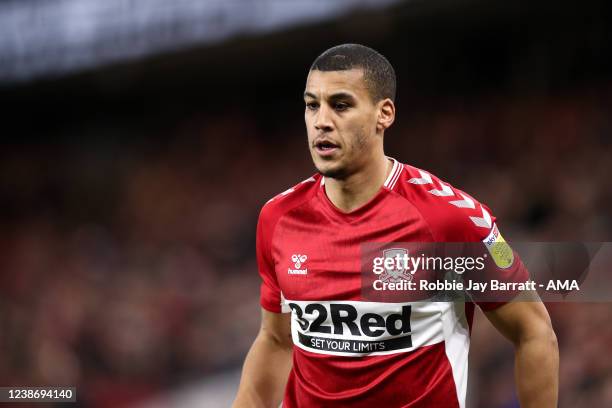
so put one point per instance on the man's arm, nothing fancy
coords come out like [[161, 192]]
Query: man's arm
[[267, 365], [527, 325]]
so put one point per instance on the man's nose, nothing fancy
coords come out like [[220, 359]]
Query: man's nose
[[323, 119]]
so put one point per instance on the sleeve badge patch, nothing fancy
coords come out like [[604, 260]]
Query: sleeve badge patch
[[499, 249]]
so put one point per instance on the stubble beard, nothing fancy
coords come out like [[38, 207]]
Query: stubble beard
[[337, 174], [343, 172]]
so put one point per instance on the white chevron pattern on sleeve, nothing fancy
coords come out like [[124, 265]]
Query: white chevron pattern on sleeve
[[467, 202], [444, 192], [292, 189], [484, 221], [425, 179], [289, 190], [447, 191]]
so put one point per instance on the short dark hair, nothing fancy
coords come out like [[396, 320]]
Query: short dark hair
[[378, 73]]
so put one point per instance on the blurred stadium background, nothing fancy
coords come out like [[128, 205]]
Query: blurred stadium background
[[140, 138]]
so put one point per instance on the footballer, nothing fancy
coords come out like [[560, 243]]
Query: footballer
[[320, 343]]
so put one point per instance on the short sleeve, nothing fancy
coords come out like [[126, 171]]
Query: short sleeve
[[503, 266], [270, 294], [469, 222]]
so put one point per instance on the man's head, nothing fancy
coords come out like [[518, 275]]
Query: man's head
[[349, 98]]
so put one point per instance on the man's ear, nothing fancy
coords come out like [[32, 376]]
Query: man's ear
[[386, 114]]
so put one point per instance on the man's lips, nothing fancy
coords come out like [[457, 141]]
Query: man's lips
[[326, 147]]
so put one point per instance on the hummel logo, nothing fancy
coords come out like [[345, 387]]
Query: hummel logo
[[298, 260]]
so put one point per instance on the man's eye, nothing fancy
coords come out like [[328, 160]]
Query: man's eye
[[340, 106], [312, 105]]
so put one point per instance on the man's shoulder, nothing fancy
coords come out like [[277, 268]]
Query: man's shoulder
[[420, 185], [450, 211], [291, 198]]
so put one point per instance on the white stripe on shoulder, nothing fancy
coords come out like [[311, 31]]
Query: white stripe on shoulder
[[292, 189]]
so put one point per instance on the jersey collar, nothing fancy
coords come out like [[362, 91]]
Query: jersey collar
[[367, 208], [394, 174], [392, 178]]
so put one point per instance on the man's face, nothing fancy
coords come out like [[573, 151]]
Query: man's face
[[340, 120]]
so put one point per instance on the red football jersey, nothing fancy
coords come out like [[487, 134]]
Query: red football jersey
[[349, 352]]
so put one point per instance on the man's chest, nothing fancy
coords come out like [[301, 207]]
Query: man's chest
[[320, 259]]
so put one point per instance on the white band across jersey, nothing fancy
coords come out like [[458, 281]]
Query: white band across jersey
[[356, 328]]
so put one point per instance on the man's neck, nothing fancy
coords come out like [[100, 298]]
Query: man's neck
[[359, 188]]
